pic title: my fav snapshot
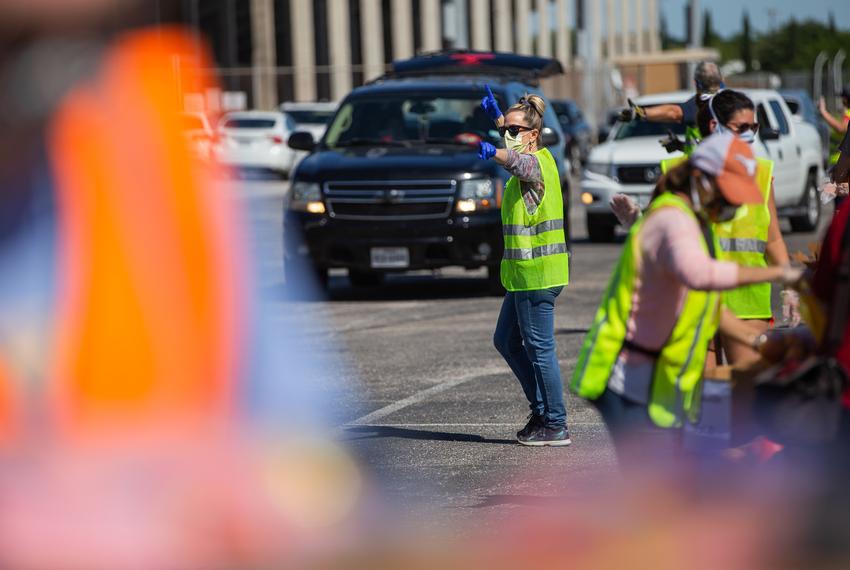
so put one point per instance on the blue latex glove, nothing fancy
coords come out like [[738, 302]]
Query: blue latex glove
[[490, 106], [486, 151]]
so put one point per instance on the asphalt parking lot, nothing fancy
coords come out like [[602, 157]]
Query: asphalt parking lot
[[421, 397]]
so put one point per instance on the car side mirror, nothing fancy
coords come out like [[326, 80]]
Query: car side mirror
[[768, 134], [302, 140], [548, 137]]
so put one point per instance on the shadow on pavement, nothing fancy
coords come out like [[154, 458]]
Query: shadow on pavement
[[394, 288], [568, 332], [373, 432]]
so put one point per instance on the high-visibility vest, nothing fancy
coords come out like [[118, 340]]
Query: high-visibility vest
[[835, 140], [674, 396], [692, 138], [148, 324], [535, 255], [744, 241]]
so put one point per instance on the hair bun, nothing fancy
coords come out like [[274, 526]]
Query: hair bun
[[536, 102]]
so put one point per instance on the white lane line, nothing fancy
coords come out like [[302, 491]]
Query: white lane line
[[424, 395]]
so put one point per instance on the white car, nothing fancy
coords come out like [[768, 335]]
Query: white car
[[256, 140], [629, 162], [310, 117], [199, 134]]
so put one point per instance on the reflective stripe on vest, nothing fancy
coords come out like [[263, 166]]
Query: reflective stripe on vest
[[734, 245], [679, 367], [547, 226], [744, 241], [535, 254]]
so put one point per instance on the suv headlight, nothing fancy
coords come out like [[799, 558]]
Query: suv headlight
[[603, 168], [306, 197], [477, 194]]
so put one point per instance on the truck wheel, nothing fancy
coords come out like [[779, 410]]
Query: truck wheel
[[494, 281], [808, 221], [599, 231], [365, 279]]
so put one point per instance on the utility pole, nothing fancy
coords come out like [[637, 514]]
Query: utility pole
[[263, 55]]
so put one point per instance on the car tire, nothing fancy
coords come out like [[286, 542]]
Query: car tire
[[365, 279], [494, 281], [808, 221], [600, 230]]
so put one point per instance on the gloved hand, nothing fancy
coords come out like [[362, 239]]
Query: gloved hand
[[490, 106], [790, 307], [633, 112], [486, 151], [672, 143], [626, 209]]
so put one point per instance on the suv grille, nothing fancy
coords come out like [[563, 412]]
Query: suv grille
[[390, 199], [639, 174]]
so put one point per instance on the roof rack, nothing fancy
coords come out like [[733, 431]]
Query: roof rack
[[529, 69]]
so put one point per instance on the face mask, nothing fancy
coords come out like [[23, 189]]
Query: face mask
[[514, 143], [748, 137]]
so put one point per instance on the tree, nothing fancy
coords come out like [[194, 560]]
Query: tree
[[746, 42], [709, 37]]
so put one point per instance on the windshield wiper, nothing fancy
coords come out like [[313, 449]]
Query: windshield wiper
[[371, 142]]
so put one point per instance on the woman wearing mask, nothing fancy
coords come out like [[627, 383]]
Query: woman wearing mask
[[642, 361], [534, 268], [753, 238]]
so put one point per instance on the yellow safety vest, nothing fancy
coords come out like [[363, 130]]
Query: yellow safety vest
[[677, 374], [744, 241], [535, 254]]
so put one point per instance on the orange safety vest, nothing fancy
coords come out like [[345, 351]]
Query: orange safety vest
[[148, 326]]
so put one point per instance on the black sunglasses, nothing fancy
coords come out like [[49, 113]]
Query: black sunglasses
[[745, 127], [513, 129]]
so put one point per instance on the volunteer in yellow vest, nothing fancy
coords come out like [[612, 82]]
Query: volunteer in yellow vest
[[753, 238], [643, 358], [535, 266], [838, 126]]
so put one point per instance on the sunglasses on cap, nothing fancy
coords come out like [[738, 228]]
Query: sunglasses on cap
[[513, 129]]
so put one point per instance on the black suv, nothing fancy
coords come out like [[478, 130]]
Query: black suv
[[396, 184]]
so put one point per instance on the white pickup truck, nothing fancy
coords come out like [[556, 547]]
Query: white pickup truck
[[628, 162]]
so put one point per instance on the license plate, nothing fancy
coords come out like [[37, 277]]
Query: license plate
[[390, 257]]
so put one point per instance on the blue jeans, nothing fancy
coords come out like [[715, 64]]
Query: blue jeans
[[525, 337]]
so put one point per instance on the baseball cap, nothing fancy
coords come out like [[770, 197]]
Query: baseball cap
[[732, 164]]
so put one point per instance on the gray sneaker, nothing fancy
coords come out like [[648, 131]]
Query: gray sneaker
[[543, 436], [534, 422]]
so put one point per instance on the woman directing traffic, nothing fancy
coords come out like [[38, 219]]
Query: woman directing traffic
[[534, 268]]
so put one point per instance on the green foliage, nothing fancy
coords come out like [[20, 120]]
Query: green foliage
[[709, 37], [795, 45], [746, 42]]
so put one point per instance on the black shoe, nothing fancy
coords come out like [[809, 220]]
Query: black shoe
[[534, 422], [541, 436]]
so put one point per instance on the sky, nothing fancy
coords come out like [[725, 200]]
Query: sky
[[726, 14]]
